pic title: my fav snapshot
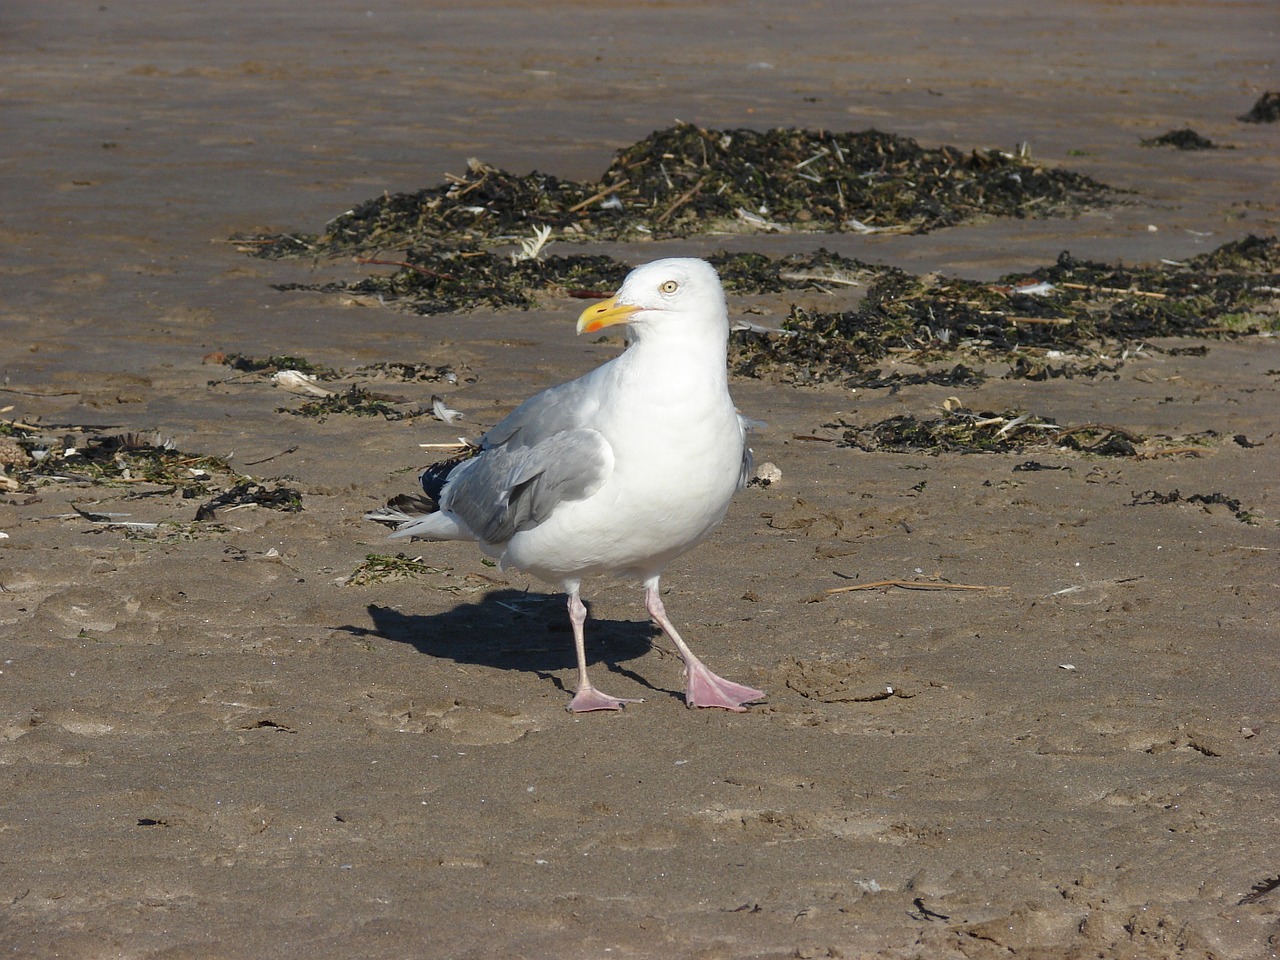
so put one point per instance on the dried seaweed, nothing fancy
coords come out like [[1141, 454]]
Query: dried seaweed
[[355, 401], [382, 568], [251, 493], [118, 460], [685, 181], [1080, 308], [1038, 368], [352, 399], [137, 464], [957, 376], [1149, 497], [274, 364], [953, 432], [441, 281], [1263, 887], [1266, 109], [1184, 139], [962, 431], [409, 372]]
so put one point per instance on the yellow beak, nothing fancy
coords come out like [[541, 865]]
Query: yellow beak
[[605, 314]]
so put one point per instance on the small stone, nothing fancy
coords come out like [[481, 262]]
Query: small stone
[[768, 472]]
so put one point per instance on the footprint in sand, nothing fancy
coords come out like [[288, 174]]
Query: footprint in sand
[[466, 724], [82, 610]]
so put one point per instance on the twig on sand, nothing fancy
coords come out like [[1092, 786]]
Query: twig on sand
[[1172, 452], [907, 585], [819, 278], [19, 425], [1051, 321], [254, 463], [404, 263], [39, 393], [597, 196], [681, 200], [1117, 290]]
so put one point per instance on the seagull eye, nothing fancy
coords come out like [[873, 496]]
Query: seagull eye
[[669, 286]]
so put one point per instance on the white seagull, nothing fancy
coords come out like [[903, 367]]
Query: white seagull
[[617, 472]]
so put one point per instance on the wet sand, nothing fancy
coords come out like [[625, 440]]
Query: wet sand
[[211, 747]]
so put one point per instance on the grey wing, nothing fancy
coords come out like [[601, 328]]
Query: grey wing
[[567, 407], [509, 488]]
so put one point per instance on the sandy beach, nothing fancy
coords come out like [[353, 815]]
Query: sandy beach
[[230, 737]]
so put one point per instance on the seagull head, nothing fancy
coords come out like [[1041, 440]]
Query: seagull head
[[680, 293]]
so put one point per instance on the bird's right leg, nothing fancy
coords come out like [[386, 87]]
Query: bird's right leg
[[587, 697]]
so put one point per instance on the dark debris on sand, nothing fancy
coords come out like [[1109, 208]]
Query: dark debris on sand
[[959, 430], [357, 401], [1078, 307], [445, 280], [119, 460], [686, 180], [252, 493], [135, 465], [448, 280], [1184, 139], [1204, 500], [1266, 109], [273, 364]]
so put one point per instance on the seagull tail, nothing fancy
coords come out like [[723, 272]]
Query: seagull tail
[[426, 526]]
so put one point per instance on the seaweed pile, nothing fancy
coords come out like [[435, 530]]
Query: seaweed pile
[[272, 364], [325, 398], [1266, 109], [1073, 305], [134, 465], [685, 180], [1205, 500], [382, 568], [442, 280], [113, 460], [357, 401], [1183, 139], [439, 281], [1076, 306], [959, 430]]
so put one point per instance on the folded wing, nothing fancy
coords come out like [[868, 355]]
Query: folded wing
[[510, 487]]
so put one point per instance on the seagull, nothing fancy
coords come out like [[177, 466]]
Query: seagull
[[615, 473]]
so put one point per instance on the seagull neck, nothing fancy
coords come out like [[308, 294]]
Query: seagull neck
[[706, 354]]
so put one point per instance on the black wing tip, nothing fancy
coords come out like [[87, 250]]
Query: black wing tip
[[434, 477]]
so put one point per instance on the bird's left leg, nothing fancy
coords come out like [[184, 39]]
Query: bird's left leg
[[702, 687]]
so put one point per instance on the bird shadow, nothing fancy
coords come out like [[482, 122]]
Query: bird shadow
[[513, 630]]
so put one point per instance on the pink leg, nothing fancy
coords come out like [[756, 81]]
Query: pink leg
[[588, 697], [702, 687]]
